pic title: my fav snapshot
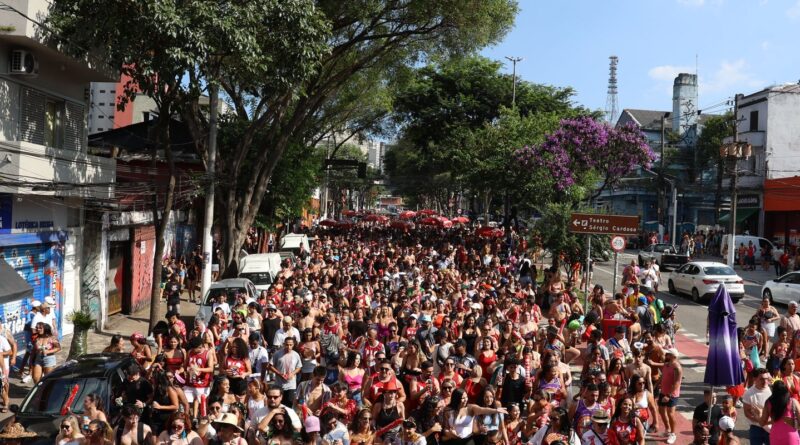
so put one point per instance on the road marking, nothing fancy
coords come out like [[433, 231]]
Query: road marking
[[689, 334]]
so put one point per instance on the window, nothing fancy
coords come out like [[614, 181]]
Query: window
[[99, 129], [102, 91], [102, 104], [754, 120], [53, 125]]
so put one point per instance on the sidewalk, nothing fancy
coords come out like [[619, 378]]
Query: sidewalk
[[758, 276]]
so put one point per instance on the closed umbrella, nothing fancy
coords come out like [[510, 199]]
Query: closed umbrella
[[723, 366]]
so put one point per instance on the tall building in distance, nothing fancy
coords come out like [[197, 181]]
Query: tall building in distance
[[612, 101], [373, 149]]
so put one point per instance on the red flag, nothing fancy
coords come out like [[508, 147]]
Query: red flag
[[72, 393]]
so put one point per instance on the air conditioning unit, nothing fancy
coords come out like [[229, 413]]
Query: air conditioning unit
[[23, 63]]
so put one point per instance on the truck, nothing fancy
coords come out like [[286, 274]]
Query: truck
[[665, 255]]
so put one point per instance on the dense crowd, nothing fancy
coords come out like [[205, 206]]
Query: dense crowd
[[430, 337]]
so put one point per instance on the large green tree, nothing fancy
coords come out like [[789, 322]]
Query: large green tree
[[715, 130], [458, 130]]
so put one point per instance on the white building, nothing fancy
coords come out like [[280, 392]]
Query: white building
[[47, 178]]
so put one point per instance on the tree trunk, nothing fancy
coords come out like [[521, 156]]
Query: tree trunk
[[161, 224]]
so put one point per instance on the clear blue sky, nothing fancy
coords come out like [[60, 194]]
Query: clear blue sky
[[741, 47]]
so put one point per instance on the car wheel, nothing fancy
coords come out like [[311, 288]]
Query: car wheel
[[671, 287], [695, 295], [768, 295]]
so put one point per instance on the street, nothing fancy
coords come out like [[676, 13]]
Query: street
[[691, 339]]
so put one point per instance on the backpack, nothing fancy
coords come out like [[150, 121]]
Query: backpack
[[330, 343], [646, 319]]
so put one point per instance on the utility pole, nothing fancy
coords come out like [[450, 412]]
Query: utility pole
[[661, 176], [734, 180], [514, 61], [208, 241]]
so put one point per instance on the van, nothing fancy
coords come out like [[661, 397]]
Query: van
[[757, 241], [295, 243], [260, 268]]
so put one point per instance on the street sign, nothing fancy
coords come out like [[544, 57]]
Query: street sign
[[603, 224], [618, 243]]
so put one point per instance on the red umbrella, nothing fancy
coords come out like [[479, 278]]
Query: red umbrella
[[489, 232], [344, 224], [349, 213], [427, 212], [407, 214], [460, 220], [447, 224], [430, 221], [327, 223], [402, 225], [375, 218]]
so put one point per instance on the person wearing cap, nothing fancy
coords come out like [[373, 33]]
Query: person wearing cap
[[727, 424], [597, 434], [374, 386], [672, 375], [425, 333], [387, 411], [311, 429]]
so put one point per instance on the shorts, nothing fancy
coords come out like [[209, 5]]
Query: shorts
[[215, 268], [673, 402], [46, 361], [193, 392]]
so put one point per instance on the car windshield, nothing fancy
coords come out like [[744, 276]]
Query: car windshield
[[718, 270], [50, 395], [258, 278], [230, 292]]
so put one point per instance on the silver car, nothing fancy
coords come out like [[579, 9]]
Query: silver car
[[230, 287]]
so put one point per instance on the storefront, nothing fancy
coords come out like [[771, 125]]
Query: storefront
[[782, 210]]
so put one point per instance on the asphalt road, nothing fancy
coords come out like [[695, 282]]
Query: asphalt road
[[690, 340]]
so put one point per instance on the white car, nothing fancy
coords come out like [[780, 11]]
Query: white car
[[700, 279], [230, 287], [783, 289]]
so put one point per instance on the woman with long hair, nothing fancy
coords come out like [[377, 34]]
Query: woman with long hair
[[788, 377], [352, 375], [643, 402], [310, 353], [237, 367], [280, 430], [115, 345], [70, 432], [222, 393], [92, 409], [559, 429], [491, 427], [429, 419], [626, 428], [412, 359], [256, 399], [361, 431], [387, 412], [487, 355], [616, 378], [460, 416], [178, 431], [514, 425], [45, 349], [781, 411], [165, 400], [470, 333], [174, 355]]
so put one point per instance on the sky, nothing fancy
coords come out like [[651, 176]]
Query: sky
[[736, 46]]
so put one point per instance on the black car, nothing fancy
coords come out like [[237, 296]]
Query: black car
[[41, 408]]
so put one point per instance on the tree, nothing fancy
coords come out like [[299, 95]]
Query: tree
[[449, 112], [172, 50], [715, 130]]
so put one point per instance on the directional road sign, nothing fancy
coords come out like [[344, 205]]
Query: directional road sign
[[603, 224]]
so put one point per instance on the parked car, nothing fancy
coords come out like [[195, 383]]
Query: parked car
[[784, 289], [40, 410], [700, 279], [230, 287], [665, 255]]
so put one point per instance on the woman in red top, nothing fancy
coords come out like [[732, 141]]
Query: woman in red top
[[174, 355], [789, 378], [626, 428], [237, 368], [487, 355], [474, 385]]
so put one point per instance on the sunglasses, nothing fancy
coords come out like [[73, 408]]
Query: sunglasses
[[386, 369], [214, 408]]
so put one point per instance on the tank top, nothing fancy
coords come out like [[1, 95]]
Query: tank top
[[237, 367], [386, 417], [668, 379], [625, 432], [642, 407], [470, 340], [353, 381], [463, 426], [485, 362], [330, 329], [203, 379], [583, 416], [174, 363]]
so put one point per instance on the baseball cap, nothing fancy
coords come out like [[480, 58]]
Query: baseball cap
[[726, 423], [643, 300], [36, 303], [311, 424], [272, 306], [672, 351], [50, 300], [425, 318]]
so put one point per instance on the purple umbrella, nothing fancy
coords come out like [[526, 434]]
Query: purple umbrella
[[723, 366]]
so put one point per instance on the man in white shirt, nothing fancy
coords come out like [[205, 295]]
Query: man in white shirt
[[754, 399], [791, 321], [286, 330], [222, 304], [259, 358], [8, 352]]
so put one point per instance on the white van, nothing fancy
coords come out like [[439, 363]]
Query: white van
[[260, 268], [295, 242], [757, 241]]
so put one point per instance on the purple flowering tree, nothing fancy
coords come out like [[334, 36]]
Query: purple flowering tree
[[583, 149]]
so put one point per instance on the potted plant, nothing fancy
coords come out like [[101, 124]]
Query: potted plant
[[83, 322]]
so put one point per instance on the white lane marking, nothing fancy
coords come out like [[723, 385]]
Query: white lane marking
[[686, 414], [701, 369]]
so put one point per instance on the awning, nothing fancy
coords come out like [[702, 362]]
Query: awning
[[12, 286], [741, 215]]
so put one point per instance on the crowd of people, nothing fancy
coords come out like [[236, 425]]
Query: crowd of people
[[378, 336]]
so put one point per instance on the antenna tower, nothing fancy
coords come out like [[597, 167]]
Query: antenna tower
[[612, 102]]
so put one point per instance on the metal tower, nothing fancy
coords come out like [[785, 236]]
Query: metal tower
[[612, 102]]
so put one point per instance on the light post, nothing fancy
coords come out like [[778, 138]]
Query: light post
[[514, 61]]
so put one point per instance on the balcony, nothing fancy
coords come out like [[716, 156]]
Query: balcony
[[754, 138], [33, 169]]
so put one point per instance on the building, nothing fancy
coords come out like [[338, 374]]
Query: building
[[769, 181], [47, 178]]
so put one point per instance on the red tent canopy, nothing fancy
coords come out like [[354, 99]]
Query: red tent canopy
[[427, 212], [407, 214], [402, 225], [460, 220], [430, 221], [375, 218], [489, 232]]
